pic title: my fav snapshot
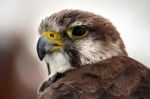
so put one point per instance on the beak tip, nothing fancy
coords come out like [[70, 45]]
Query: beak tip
[[41, 54], [40, 49]]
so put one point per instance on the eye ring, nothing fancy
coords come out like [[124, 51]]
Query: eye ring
[[77, 32]]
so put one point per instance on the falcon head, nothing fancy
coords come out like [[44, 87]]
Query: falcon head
[[75, 38]]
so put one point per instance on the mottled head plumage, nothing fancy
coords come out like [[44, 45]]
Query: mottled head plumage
[[74, 38], [102, 42]]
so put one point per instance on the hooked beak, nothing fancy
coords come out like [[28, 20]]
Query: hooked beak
[[45, 46]]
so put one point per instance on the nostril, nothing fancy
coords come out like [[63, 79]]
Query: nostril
[[51, 35]]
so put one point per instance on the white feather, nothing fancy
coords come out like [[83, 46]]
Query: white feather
[[59, 62], [94, 51]]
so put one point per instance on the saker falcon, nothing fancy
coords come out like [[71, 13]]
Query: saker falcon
[[74, 39]]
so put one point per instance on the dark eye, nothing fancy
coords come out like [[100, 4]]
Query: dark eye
[[78, 31]]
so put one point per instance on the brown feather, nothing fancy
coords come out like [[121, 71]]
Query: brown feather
[[117, 78]]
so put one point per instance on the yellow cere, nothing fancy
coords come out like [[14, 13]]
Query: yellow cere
[[53, 36]]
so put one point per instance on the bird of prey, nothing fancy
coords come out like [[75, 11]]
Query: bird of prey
[[80, 41]]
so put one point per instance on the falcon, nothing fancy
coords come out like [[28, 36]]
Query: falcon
[[79, 41]]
